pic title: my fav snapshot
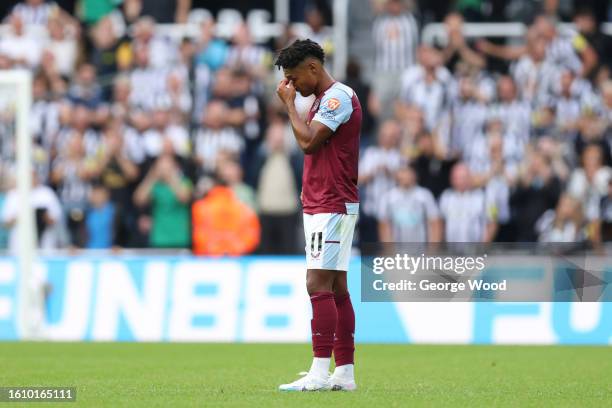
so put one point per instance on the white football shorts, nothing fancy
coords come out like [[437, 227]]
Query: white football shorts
[[329, 238]]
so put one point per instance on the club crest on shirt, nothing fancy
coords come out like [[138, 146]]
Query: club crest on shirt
[[333, 103]]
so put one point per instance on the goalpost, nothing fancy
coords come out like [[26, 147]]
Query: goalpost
[[16, 90]]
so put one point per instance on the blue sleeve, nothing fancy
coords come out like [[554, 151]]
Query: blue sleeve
[[335, 109]]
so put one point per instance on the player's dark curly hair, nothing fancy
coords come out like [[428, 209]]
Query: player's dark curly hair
[[292, 55]]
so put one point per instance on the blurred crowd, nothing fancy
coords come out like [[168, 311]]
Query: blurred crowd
[[145, 141]]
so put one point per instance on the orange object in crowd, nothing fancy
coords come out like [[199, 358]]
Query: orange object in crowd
[[223, 225]]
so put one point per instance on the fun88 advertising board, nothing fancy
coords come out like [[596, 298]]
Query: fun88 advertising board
[[263, 299]]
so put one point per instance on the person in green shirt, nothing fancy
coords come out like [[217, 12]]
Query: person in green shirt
[[92, 11], [168, 192]]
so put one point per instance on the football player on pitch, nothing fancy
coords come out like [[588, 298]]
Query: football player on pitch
[[330, 140]]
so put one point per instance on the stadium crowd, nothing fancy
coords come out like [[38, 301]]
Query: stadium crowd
[[143, 141]]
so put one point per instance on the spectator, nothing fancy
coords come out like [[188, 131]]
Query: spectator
[[36, 12], [62, 46], [19, 47], [426, 87], [318, 32], [464, 119], [538, 190], [112, 167], [231, 174], [408, 212], [589, 28], [148, 83], [468, 215], [47, 216], [395, 36], [169, 193], [368, 105], [495, 153], [457, 48], [514, 113], [92, 11], [100, 219], [44, 113], [431, 164], [533, 74], [81, 122], [211, 51], [246, 55], [222, 225], [563, 224], [109, 52], [277, 176], [569, 50], [162, 51], [377, 169], [86, 89], [163, 129], [589, 183], [214, 136], [70, 174]]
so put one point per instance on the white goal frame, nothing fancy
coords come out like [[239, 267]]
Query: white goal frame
[[30, 299]]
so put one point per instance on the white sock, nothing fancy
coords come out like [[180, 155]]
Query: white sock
[[320, 367], [345, 371]]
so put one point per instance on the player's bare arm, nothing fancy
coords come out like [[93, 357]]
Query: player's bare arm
[[309, 138]]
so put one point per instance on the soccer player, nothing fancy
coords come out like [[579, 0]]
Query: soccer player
[[330, 140]]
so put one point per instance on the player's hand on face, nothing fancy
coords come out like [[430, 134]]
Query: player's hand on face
[[286, 91]]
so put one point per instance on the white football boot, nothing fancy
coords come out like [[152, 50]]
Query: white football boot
[[308, 382], [338, 382]]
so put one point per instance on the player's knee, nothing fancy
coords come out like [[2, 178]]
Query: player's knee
[[318, 283]]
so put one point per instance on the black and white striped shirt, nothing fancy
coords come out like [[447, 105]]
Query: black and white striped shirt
[[534, 81], [561, 52], [396, 39], [432, 98], [210, 142]]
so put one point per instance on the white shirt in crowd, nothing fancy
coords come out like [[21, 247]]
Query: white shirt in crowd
[[408, 212], [466, 215], [373, 158], [22, 47], [153, 140], [209, 142], [41, 197]]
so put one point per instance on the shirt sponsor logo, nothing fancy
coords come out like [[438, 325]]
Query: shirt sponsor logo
[[333, 104]]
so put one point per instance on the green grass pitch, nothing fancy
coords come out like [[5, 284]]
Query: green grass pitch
[[211, 375]]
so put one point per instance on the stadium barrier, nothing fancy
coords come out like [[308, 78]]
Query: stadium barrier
[[262, 299]]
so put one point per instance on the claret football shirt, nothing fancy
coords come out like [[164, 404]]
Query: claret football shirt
[[330, 174]]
